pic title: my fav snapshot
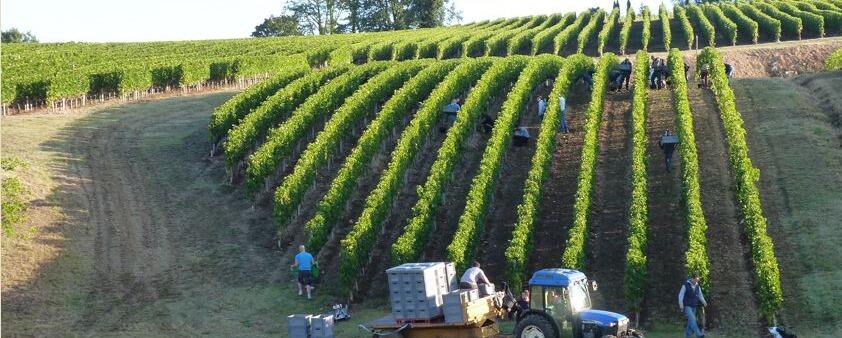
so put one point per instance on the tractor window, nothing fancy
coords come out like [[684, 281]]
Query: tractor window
[[579, 298], [536, 300], [557, 305]]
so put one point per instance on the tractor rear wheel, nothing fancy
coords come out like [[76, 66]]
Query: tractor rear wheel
[[534, 326]]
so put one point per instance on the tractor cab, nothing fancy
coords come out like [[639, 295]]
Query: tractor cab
[[561, 308]]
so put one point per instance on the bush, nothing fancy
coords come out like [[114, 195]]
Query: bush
[[332, 205], [686, 27], [766, 271], [289, 193], [665, 25], [696, 258], [636, 269], [13, 205], [834, 62], [574, 251], [769, 24]]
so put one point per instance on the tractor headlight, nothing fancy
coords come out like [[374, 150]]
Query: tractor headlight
[[612, 324]]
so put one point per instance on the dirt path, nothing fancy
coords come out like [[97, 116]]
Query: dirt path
[[667, 226], [502, 211], [733, 306], [555, 214], [609, 220]]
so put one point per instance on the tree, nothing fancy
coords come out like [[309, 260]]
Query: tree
[[317, 16], [277, 26], [13, 35]]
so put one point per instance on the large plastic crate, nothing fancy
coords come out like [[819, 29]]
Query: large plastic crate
[[416, 290], [298, 326], [321, 326]]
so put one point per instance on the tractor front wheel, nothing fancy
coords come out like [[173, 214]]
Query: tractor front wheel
[[534, 326]]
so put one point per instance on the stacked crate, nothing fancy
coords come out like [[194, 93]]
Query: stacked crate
[[298, 326], [321, 326], [416, 290], [454, 305]]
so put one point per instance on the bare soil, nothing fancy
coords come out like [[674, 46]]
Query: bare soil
[[607, 240], [667, 229]]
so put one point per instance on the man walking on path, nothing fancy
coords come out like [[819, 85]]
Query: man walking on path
[[304, 261], [562, 106], [542, 107], [667, 143], [688, 299]]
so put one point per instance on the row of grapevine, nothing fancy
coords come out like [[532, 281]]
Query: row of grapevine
[[788, 22], [232, 111], [834, 61], [566, 35], [356, 246], [686, 27], [664, 16], [702, 24], [813, 22], [542, 42], [498, 44], [574, 250], [471, 222], [362, 103], [769, 24], [281, 139], [746, 25], [696, 259], [832, 18], [246, 134], [766, 270], [521, 43], [331, 206], [589, 31], [646, 34], [520, 247], [625, 31], [416, 233], [476, 45], [636, 270], [725, 26], [607, 30]]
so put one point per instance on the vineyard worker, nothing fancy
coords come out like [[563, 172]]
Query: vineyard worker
[[304, 261], [486, 124], [626, 70], [473, 277], [587, 77], [688, 299], [668, 146], [521, 136], [729, 70], [542, 107], [450, 110], [704, 75], [616, 78], [686, 71], [562, 106]]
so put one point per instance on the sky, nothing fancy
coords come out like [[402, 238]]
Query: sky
[[157, 20]]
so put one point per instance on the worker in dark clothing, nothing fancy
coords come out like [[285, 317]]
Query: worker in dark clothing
[[703, 75], [615, 78], [667, 143], [521, 137], [486, 123], [587, 78], [686, 71], [626, 70]]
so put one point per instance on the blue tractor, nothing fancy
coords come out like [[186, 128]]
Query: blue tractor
[[560, 307]]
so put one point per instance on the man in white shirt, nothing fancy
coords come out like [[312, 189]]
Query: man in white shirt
[[473, 277], [562, 106]]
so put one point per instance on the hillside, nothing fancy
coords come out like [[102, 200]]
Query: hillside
[[180, 216]]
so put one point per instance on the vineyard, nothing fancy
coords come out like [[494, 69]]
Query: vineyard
[[343, 139], [66, 75]]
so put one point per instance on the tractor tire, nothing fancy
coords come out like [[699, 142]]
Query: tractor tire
[[535, 326]]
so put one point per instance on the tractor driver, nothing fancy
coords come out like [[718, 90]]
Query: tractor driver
[[473, 277]]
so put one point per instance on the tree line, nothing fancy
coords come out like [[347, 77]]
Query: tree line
[[323, 17]]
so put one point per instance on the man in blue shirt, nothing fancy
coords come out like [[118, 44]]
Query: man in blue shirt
[[542, 107], [689, 298], [304, 261]]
